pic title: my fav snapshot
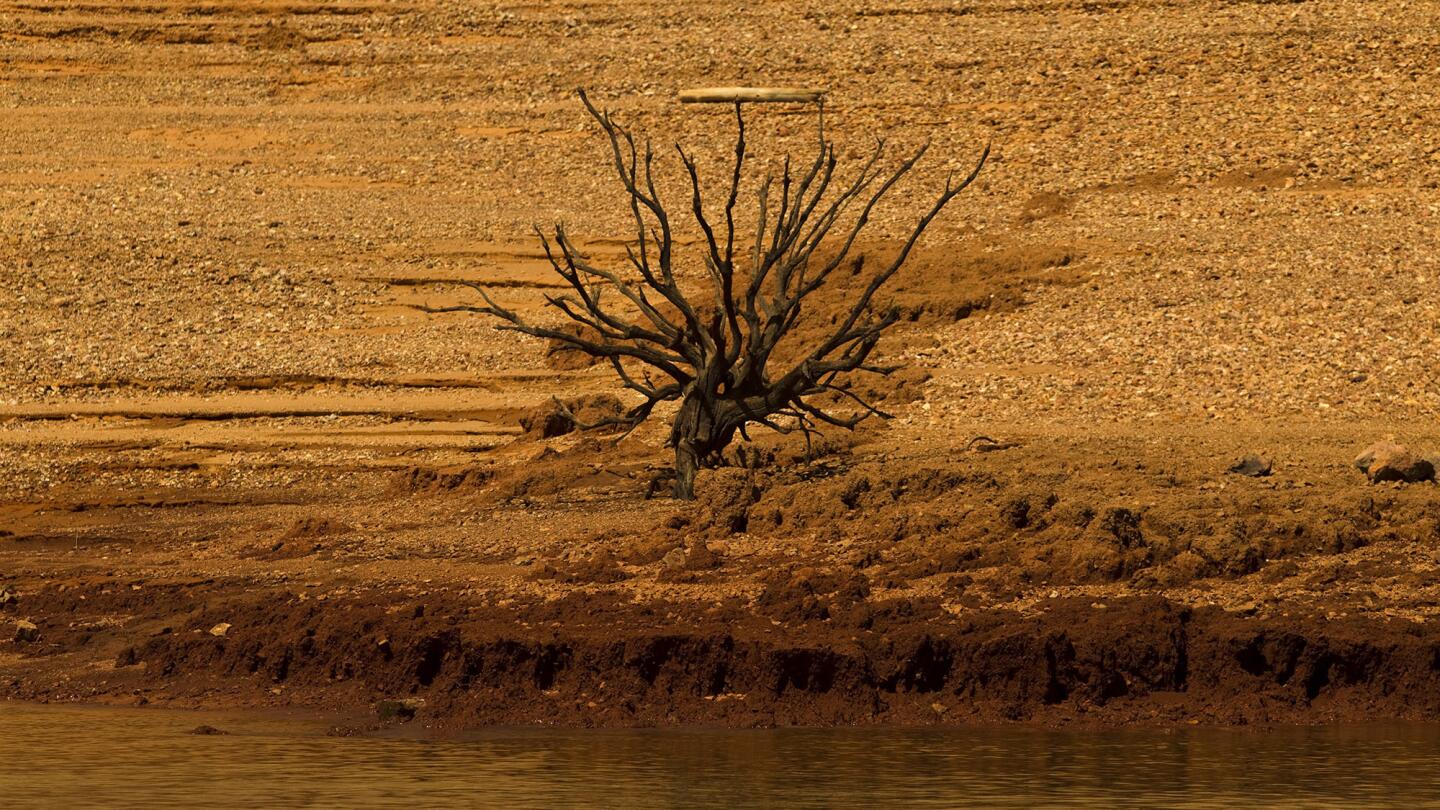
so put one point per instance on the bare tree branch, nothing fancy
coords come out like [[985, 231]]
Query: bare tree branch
[[720, 362]]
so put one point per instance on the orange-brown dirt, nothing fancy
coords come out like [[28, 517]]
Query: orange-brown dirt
[[239, 468]]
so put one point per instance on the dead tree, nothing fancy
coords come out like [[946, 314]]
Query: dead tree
[[714, 348]]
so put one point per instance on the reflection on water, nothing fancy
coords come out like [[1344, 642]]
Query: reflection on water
[[77, 756]]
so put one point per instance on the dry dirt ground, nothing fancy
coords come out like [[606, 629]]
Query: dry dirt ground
[[1207, 229]]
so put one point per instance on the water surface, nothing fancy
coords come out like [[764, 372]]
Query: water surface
[[65, 756]]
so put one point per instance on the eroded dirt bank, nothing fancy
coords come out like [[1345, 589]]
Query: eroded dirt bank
[[864, 587], [605, 662]]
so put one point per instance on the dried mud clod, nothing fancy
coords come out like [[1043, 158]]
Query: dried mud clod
[[601, 567], [560, 417], [563, 357], [690, 563], [1253, 466], [304, 537], [1388, 461], [723, 504], [593, 466], [426, 480], [811, 594]]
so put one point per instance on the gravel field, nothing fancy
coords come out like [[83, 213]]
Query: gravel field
[[200, 192]]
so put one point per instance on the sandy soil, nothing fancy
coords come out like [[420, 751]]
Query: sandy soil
[[1206, 231]]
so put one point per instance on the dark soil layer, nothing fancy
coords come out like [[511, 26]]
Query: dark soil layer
[[601, 661]]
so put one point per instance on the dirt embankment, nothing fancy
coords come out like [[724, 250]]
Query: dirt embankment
[[863, 587], [813, 652]]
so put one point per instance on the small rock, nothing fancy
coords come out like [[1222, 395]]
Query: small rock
[[1253, 466], [128, 657], [698, 557], [402, 709], [8, 596], [1388, 461], [674, 560], [208, 731], [220, 630], [26, 631]]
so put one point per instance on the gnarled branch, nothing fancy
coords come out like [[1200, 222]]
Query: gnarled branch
[[722, 364]]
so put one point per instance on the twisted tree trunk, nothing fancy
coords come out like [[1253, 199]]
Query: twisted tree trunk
[[700, 432]]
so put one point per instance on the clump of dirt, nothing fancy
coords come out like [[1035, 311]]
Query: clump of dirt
[[585, 469], [689, 564], [648, 547], [435, 480], [723, 500], [559, 417], [546, 421], [599, 568], [303, 538], [561, 356], [811, 594], [280, 36]]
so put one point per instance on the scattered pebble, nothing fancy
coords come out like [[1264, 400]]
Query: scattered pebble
[[1252, 466]]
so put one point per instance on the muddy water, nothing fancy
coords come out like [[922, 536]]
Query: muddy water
[[69, 757]]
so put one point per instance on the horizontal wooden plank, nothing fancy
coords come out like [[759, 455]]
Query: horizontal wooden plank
[[730, 95]]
